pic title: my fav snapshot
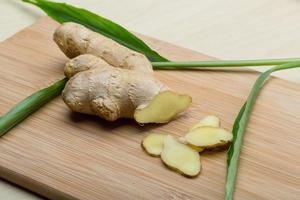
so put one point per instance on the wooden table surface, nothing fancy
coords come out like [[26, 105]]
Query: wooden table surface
[[225, 29]]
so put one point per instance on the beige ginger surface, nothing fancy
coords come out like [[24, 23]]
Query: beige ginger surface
[[74, 40], [112, 81]]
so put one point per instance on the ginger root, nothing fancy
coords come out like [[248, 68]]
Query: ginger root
[[180, 157], [74, 40], [112, 81], [154, 144], [208, 137]]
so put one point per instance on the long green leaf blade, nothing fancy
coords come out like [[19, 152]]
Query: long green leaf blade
[[30, 105], [63, 12], [240, 126], [220, 63]]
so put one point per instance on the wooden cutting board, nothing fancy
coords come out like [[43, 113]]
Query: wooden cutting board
[[63, 155]]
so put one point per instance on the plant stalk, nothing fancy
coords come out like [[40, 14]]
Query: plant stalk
[[240, 126], [220, 63], [29, 105]]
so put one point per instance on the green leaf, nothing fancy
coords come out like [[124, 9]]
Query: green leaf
[[63, 12], [220, 63], [30, 105], [240, 125]]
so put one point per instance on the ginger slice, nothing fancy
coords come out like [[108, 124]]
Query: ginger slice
[[164, 107], [208, 137], [154, 144], [180, 157], [182, 140], [198, 149], [209, 120]]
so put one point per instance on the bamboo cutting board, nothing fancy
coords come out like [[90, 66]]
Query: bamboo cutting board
[[63, 155]]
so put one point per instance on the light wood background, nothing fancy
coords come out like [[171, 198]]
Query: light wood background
[[64, 155], [226, 29]]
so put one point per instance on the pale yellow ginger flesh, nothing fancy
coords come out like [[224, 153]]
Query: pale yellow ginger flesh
[[112, 81], [198, 149], [154, 144], [209, 120], [180, 157], [208, 137], [163, 108], [182, 140]]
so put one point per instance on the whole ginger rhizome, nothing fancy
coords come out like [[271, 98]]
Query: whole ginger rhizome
[[112, 81]]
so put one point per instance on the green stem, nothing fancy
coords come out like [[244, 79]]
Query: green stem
[[220, 63], [240, 126], [30, 105]]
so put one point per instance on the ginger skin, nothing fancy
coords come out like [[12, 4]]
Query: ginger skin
[[107, 91], [112, 81], [74, 40]]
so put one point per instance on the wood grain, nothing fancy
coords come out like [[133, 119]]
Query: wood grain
[[63, 155]]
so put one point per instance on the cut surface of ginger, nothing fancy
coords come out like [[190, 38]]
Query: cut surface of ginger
[[165, 106], [180, 157], [198, 149], [154, 144], [208, 137], [182, 140], [209, 120]]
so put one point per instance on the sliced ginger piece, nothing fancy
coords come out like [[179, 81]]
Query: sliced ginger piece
[[182, 140], [209, 120], [154, 144], [208, 137], [198, 149], [180, 157], [164, 107]]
